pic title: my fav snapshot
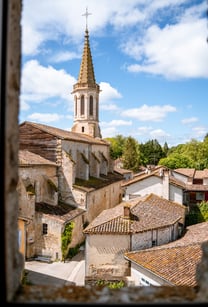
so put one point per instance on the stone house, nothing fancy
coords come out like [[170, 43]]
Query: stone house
[[172, 264], [138, 224], [185, 186], [42, 219]]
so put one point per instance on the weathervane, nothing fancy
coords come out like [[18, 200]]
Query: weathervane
[[86, 14]]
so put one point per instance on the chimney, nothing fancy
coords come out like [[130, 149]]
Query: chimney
[[127, 212]]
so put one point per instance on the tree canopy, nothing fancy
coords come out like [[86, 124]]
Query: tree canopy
[[193, 154]]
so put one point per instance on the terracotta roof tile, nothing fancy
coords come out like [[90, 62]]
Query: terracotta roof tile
[[59, 212], [67, 135], [189, 172], [29, 158], [151, 211], [143, 175], [175, 264], [188, 252], [173, 180]]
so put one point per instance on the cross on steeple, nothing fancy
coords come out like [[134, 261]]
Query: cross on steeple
[[86, 14]]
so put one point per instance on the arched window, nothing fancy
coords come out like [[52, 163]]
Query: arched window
[[82, 105], [75, 106], [91, 105]]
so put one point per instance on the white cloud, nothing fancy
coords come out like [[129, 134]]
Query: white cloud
[[175, 51], [109, 107], [199, 131], [109, 132], [41, 83], [45, 117], [24, 106], [31, 47], [117, 123], [189, 120], [158, 134], [149, 113], [64, 56], [108, 93], [113, 128]]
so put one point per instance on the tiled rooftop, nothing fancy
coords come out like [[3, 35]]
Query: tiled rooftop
[[175, 264], [192, 173], [151, 211], [59, 212], [29, 158], [67, 135], [175, 261]]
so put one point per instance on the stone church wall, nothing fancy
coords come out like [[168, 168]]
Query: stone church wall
[[39, 177]]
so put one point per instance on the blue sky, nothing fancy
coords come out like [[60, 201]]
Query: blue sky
[[150, 59]]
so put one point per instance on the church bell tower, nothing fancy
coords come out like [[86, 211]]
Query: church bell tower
[[86, 95]]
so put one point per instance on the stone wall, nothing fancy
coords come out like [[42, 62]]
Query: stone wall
[[96, 200], [104, 255]]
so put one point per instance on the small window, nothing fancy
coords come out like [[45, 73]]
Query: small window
[[45, 229], [199, 196], [144, 282], [82, 129], [154, 242]]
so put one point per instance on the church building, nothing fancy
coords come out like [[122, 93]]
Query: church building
[[72, 170]]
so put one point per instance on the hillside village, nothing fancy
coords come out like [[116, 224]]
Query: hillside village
[[71, 193]]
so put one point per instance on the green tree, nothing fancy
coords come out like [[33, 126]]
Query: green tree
[[196, 151], [66, 239], [165, 149], [176, 160], [151, 152], [116, 146], [131, 154], [203, 207]]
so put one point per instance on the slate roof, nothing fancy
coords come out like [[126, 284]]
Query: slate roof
[[59, 212], [66, 135], [28, 158], [148, 212], [175, 261]]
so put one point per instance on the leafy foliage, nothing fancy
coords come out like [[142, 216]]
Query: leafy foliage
[[198, 214], [176, 160], [193, 154], [111, 284], [152, 152], [116, 146], [203, 207], [131, 155], [66, 239]]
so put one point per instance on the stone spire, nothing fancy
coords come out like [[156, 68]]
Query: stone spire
[[86, 94], [86, 73]]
